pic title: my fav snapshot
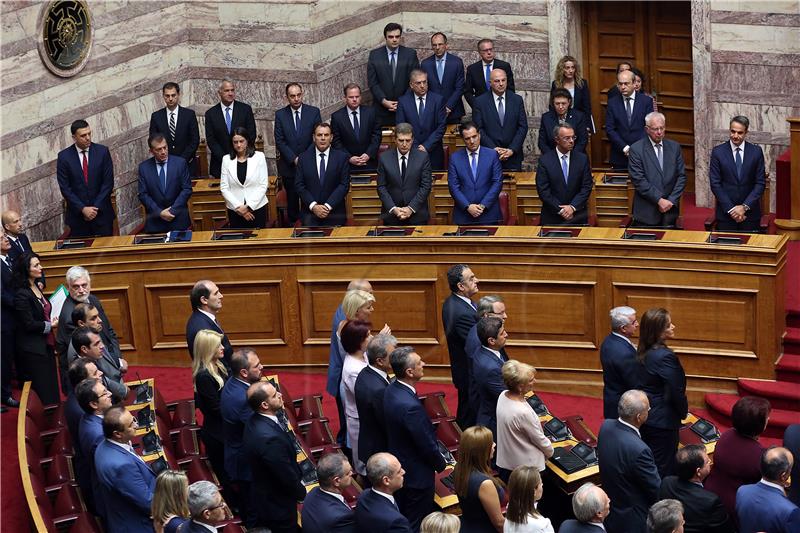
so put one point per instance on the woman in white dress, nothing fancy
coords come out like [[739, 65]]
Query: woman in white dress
[[354, 338], [524, 491]]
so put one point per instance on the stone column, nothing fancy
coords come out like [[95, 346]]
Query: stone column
[[701, 59]]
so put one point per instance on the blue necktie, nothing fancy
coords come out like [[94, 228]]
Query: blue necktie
[[564, 168], [501, 110], [321, 168], [162, 177], [738, 163], [488, 75], [474, 164], [228, 119], [393, 64], [440, 69]]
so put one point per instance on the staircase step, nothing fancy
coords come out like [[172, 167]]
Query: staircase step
[[779, 419], [793, 318], [788, 368], [781, 394]]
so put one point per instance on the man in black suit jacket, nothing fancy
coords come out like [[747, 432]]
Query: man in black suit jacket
[[7, 348], [277, 484], [164, 188], [221, 120], [502, 120], [178, 124], [356, 131], [458, 316], [322, 181], [85, 176], [702, 509], [627, 468], [388, 73], [13, 229], [206, 300], [370, 387], [625, 119], [591, 506], [478, 73], [206, 507], [564, 195], [404, 181], [294, 131], [561, 112], [377, 507], [324, 509], [618, 357]]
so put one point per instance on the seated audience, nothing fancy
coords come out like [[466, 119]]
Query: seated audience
[[487, 367], [377, 508], [763, 506], [439, 522], [95, 400], [164, 188], [702, 509], [618, 357], [520, 438], [475, 179], [524, 491], [590, 505], [561, 112], [170, 507], [404, 181], [206, 507], [479, 492], [354, 337], [87, 343], [568, 79], [665, 516], [324, 509], [244, 183]]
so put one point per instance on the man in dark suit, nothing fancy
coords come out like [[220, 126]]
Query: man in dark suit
[[489, 305], [388, 73], [377, 508], [404, 181], [270, 454], [561, 112], [791, 441], [702, 509], [322, 181], [625, 119], [627, 468], [564, 181], [13, 229], [737, 178], [446, 77], [487, 363], [666, 516], [324, 509], [126, 483], [178, 125], [85, 176], [502, 121], [411, 437], [7, 322], [475, 179], [370, 387], [763, 506], [94, 399], [655, 165], [206, 300], [458, 317], [478, 73], [87, 343], [294, 129], [164, 188], [206, 507], [424, 110], [591, 506], [356, 131], [79, 370], [618, 357], [221, 120]]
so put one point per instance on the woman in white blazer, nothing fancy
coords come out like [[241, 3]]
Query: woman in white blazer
[[243, 183]]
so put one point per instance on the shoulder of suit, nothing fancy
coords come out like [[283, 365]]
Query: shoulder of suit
[[243, 104], [187, 110]]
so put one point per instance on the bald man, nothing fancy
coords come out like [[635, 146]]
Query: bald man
[[501, 119]]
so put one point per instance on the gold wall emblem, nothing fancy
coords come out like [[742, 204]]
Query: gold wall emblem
[[66, 31]]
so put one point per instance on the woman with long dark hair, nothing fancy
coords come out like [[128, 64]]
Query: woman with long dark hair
[[479, 492], [243, 182]]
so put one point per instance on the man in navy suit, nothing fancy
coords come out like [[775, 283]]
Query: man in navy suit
[[489, 305], [356, 131], [502, 121], [245, 370], [87, 343], [590, 505], [475, 179], [324, 509], [206, 300], [221, 120], [94, 399], [322, 181], [404, 180], [370, 387], [458, 317], [377, 508], [625, 119], [764, 506], [564, 181], [487, 363], [561, 112], [164, 188], [627, 468], [7, 322], [618, 357], [737, 178], [424, 110], [126, 483], [656, 168], [13, 228], [388, 73], [269, 451], [478, 73], [446, 77], [294, 128], [411, 437], [206, 507], [85, 175], [178, 124]]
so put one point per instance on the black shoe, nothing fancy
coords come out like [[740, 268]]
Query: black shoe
[[11, 402]]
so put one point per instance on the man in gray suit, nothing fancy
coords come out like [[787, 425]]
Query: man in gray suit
[[656, 168], [404, 181]]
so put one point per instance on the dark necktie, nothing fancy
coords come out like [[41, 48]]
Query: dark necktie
[[403, 167], [356, 125], [162, 177], [172, 125], [628, 108], [660, 156], [421, 107], [297, 121], [440, 69], [501, 110], [321, 168], [393, 64], [739, 163], [85, 166], [228, 119]]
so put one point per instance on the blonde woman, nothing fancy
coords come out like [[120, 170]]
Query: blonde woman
[[170, 506], [438, 522], [568, 76], [209, 376], [524, 490]]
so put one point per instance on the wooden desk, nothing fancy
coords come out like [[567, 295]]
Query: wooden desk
[[207, 206], [727, 301]]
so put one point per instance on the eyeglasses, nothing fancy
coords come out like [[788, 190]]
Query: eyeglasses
[[219, 506], [573, 138]]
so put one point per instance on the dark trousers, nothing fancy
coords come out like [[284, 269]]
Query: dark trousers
[[750, 223], [466, 414], [663, 443], [215, 450], [7, 352], [41, 369], [235, 221], [63, 368], [91, 228], [415, 504], [292, 199]]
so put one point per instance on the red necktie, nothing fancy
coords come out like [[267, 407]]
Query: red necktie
[[85, 168]]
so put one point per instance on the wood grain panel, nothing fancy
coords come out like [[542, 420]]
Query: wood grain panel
[[118, 310]]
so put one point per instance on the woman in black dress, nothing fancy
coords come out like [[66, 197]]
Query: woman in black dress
[[479, 492], [35, 339]]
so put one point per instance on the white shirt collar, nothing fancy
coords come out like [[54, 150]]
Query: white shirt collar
[[623, 337], [407, 385], [443, 58], [80, 152], [335, 495], [632, 97], [327, 155], [389, 53], [173, 111], [653, 144], [773, 485], [271, 417], [630, 426], [498, 354], [734, 147], [206, 526], [464, 297], [496, 96], [298, 110], [223, 106], [400, 161], [601, 526], [209, 315], [383, 374], [485, 64], [387, 496], [561, 154]]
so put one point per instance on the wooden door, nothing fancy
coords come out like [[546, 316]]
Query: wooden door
[[656, 37]]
